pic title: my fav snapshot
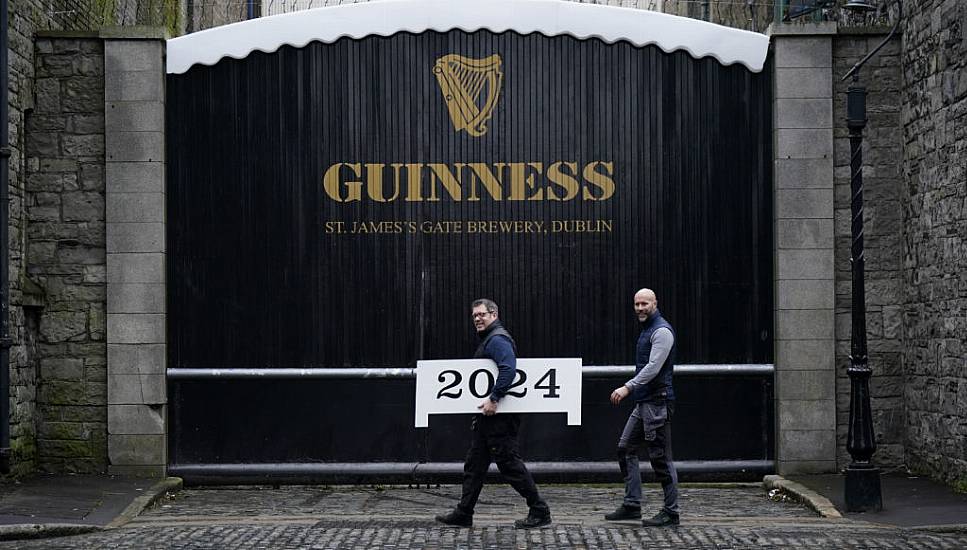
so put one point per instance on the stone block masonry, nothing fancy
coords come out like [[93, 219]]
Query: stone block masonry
[[804, 277], [933, 268], [26, 298], [65, 252], [137, 400], [91, 234]]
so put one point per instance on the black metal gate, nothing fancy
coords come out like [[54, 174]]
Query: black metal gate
[[328, 208]]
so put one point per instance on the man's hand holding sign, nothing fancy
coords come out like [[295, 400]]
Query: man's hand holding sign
[[488, 407], [505, 385]]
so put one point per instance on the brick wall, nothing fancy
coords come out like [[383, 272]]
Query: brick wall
[[934, 261], [64, 205]]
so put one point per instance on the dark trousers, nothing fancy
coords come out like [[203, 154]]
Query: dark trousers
[[494, 439], [649, 428]]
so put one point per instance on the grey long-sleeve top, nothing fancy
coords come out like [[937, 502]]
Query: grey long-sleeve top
[[661, 345]]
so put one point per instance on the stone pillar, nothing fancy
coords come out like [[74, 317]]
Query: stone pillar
[[805, 291], [134, 97]]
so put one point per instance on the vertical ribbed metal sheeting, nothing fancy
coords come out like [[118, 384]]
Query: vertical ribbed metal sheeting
[[255, 279]]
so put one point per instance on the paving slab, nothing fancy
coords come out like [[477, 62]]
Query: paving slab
[[54, 505], [80, 499], [908, 501]]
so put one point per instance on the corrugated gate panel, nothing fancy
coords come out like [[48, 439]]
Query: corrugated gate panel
[[258, 280]]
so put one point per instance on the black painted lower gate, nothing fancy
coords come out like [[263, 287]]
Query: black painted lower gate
[[333, 210]]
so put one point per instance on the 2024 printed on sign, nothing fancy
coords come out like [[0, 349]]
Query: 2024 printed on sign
[[458, 386]]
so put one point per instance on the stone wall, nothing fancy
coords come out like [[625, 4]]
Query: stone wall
[[46, 432], [64, 205], [23, 363], [205, 14], [934, 261], [26, 298]]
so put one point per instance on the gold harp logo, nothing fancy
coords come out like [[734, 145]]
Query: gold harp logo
[[471, 88]]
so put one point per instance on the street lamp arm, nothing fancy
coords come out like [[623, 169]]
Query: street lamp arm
[[861, 62]]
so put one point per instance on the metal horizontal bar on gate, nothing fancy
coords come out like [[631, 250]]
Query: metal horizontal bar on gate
[[200, 474], [687, 466], [686, 370], [276, 374], [391, 373]]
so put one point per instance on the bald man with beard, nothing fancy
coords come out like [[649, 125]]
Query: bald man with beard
[[649, 425]]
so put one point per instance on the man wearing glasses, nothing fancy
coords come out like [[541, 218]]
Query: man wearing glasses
[[494, 436]]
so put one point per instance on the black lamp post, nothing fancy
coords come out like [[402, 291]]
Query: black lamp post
[[862, 490]]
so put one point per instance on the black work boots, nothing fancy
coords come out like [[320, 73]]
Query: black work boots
[[661, 519], [456, 518], [533, 519], [624, 512]]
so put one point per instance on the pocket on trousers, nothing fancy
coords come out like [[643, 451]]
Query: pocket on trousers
[[653, 417]]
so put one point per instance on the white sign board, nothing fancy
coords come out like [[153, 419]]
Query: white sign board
[[458, 386]]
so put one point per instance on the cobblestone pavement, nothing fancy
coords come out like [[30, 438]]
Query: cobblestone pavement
[[401, 518]]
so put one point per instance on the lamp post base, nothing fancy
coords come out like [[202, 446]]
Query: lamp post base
[[863, 489]]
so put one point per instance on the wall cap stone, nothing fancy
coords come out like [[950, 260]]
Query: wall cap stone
[[876, 30], [134, 32], [801, 29], [65, 34]]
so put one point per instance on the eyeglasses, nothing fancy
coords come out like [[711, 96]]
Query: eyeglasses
[[480, 314]]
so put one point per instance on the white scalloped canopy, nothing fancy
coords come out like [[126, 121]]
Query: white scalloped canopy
[[548, 17]]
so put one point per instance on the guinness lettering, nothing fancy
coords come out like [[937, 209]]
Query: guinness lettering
[[474, 181]]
